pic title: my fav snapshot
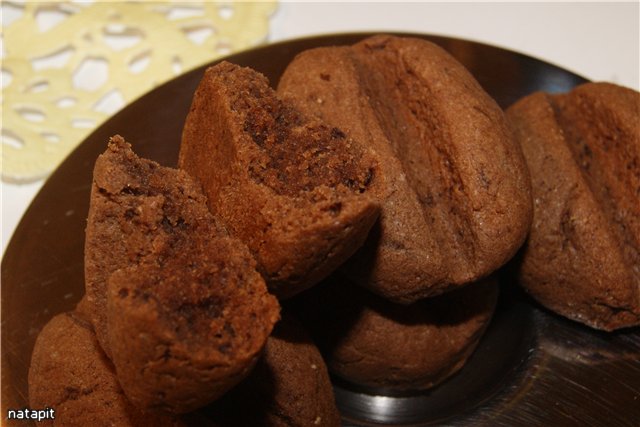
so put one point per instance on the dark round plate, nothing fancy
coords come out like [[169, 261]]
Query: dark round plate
[[531, 368]]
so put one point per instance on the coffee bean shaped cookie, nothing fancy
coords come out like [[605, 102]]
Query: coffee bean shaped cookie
[[293, 189], [387, 347], [582, 257], [452, 183], [70, 374]]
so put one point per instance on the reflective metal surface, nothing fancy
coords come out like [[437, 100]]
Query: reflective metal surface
[[532, 368]]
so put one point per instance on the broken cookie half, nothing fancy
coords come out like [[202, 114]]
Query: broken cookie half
[[176, 304], [295, 190]]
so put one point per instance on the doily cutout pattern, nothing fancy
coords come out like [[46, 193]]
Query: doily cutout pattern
[[68, 66]]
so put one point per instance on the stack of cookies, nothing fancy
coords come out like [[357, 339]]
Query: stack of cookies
[[377, 190]]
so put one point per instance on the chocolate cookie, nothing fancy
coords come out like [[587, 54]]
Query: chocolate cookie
[[582, 257], [70, 374], [389, 347], [293, 189], [136, 208], [183, 312], [289, 387], [452, 183]]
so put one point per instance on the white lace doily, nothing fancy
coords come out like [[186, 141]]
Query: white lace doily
[[67, 66]]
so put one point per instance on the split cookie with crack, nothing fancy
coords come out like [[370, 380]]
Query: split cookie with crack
[[453, 186], [177, 305], [137, 208], [70, 374], [289, 387], [582, 257], [390, 348], [293, 189]]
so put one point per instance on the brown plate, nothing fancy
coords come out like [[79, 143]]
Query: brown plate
[[531, 368]]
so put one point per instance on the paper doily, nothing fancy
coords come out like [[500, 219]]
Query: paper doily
[[67, 66]]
